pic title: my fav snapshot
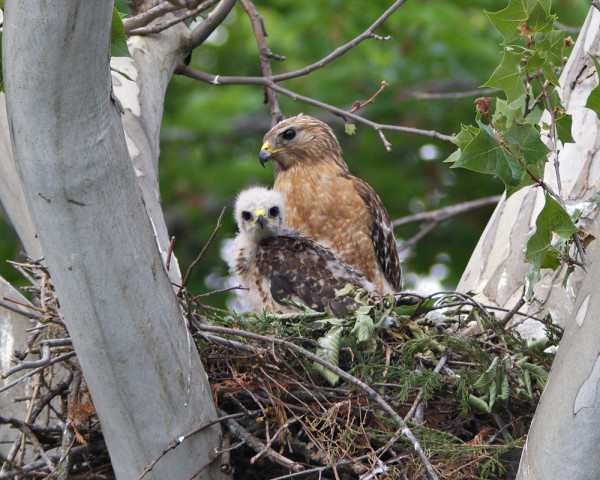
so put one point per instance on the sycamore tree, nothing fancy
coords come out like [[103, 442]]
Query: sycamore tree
[[79, 137]]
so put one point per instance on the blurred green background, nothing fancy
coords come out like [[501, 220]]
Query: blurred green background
[[211, 135]]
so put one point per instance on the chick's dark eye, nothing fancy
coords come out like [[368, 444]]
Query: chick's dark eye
[[246, 216], [274, 211], [288, 134]]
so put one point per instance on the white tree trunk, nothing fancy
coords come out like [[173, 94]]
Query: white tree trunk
[[564, 438], [497, 269], [143, 370]]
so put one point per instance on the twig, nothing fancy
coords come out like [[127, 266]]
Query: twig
[[31, 315], [226, 80], [210, 239], [60, 358], [358, 105], [170, 253], [265, 54], [31, 364], [446, 212], [240, 432], [214, 292], [342, 374], [511, 313], [179, 440], [68, 435], [417, 401]]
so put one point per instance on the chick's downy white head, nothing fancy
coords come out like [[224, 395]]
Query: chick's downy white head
[[259, 212]]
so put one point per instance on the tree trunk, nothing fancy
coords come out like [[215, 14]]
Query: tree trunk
[[565, 433], [497, 269], [142, 369]]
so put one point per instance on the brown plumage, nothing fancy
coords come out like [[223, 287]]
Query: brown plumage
[[325, 202], [275, 263]]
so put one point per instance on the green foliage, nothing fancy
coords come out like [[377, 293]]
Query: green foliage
[[118, 39], [593, 101]]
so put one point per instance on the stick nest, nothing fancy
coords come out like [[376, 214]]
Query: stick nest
[[405, 388]]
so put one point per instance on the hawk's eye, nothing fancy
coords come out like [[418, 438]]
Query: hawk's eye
[[247, 216], [288, 134], [274, 211]]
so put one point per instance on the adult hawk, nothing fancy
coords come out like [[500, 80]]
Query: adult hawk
[[327, 203], [275, 263]]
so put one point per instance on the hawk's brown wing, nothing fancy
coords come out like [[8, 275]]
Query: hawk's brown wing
[[297, 269], [381, 233]]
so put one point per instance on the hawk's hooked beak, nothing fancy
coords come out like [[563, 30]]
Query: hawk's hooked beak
[[266, 152], [261, 217]]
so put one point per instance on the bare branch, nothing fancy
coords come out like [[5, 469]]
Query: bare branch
[[358, 105], [220, 80], [206, 27], [146, 17], [265, 54], [338, 52], [159, 27], [443, 213]]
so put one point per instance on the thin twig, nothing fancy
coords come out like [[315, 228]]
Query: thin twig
[[358, 105], [210, 239], [159, 27], [179, 440], [206, 27], [60, 358], [146, 17], [446, 212]]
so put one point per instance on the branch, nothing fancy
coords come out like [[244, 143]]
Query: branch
[[199, 257], [227, 80], [338, 52], [371, 393], [159, 27], [146, 17], [265, 54], [206, 27], [446, 212]]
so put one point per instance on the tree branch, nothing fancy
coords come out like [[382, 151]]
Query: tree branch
[[265, 54], [214, 19], [221, 80]]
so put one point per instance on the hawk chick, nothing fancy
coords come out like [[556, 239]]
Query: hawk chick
[[327, 203], [275, 263]]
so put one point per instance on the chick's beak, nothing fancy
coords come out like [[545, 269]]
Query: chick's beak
[[261, 218]]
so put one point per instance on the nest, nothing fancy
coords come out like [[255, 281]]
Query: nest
[[439, 388]]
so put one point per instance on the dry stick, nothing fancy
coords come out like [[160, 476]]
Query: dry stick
[[220, 80], [39, 369], [210, 239], [240, 432], [264, 54], [511, 313], [170, 253], [342, 374], [417, 401], [184, 437], [33, 316]]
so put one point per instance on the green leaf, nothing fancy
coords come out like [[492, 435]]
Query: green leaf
[[552, 218], [486, 379], [329, 350], [540, 20], [118, 39], [363, 328], [479, 404], [485, 154], [507, 77], [593, 101], [507, 20], [350, 129], [524, 141], [505, 113], [532, 277]]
